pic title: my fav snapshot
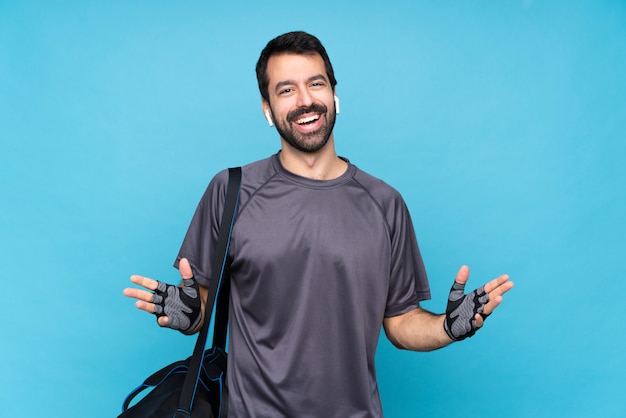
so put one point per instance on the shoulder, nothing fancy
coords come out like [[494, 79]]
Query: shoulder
[[386, 198], [384, 194], [257, 173], [252, 174]]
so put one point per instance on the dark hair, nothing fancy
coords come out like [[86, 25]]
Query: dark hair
[[291, 43]]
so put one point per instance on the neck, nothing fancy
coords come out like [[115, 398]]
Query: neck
[[320, 165]]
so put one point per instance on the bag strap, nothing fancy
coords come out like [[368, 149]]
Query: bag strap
[[217, 277], [220, 325]]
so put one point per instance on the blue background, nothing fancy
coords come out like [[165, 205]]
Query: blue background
[[503, 124]]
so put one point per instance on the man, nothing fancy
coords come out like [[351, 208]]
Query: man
[[322, 255]]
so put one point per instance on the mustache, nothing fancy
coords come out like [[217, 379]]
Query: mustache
[[314, 108]]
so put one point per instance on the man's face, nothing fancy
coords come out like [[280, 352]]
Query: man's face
[[301, 100]]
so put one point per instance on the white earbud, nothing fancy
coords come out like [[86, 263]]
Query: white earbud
[[336, 105], [268, 116]]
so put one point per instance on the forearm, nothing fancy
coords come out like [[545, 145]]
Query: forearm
[[417, 330]]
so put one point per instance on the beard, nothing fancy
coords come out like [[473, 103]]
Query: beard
[[307, 142]]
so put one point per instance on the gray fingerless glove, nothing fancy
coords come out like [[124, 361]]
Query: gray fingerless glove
[[181, 305], [460, 323]]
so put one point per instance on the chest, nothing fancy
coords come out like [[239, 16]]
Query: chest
[[335, 227]]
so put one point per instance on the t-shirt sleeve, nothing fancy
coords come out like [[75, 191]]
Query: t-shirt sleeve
[[201, 238], [408, 283]]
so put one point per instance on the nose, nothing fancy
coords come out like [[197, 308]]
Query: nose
[[304, 98]]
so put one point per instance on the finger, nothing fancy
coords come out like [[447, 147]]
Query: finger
[[163, 321], [478, 320], [145, 306], [185, 269], [146, 282], [502, 289], [462, 275], [495, 295], [139, 294], [492, 304], [496, 283]]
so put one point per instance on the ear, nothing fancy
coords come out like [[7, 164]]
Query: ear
[[267, 113], [336, 105]]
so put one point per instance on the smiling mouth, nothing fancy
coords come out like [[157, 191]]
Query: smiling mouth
[[307, 120], [306, 116]]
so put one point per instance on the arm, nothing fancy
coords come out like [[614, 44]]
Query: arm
[[417, 330], [420, 330]]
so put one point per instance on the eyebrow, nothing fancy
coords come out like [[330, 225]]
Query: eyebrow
[[281, 84]]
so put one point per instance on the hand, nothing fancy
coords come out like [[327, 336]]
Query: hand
[[175, 307], [466, 313]]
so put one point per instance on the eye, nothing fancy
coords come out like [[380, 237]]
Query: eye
[[285, 91]]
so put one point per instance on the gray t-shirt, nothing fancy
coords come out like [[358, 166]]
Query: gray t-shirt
[[315, 266]]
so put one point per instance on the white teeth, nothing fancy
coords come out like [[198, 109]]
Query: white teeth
[[307, 120]]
